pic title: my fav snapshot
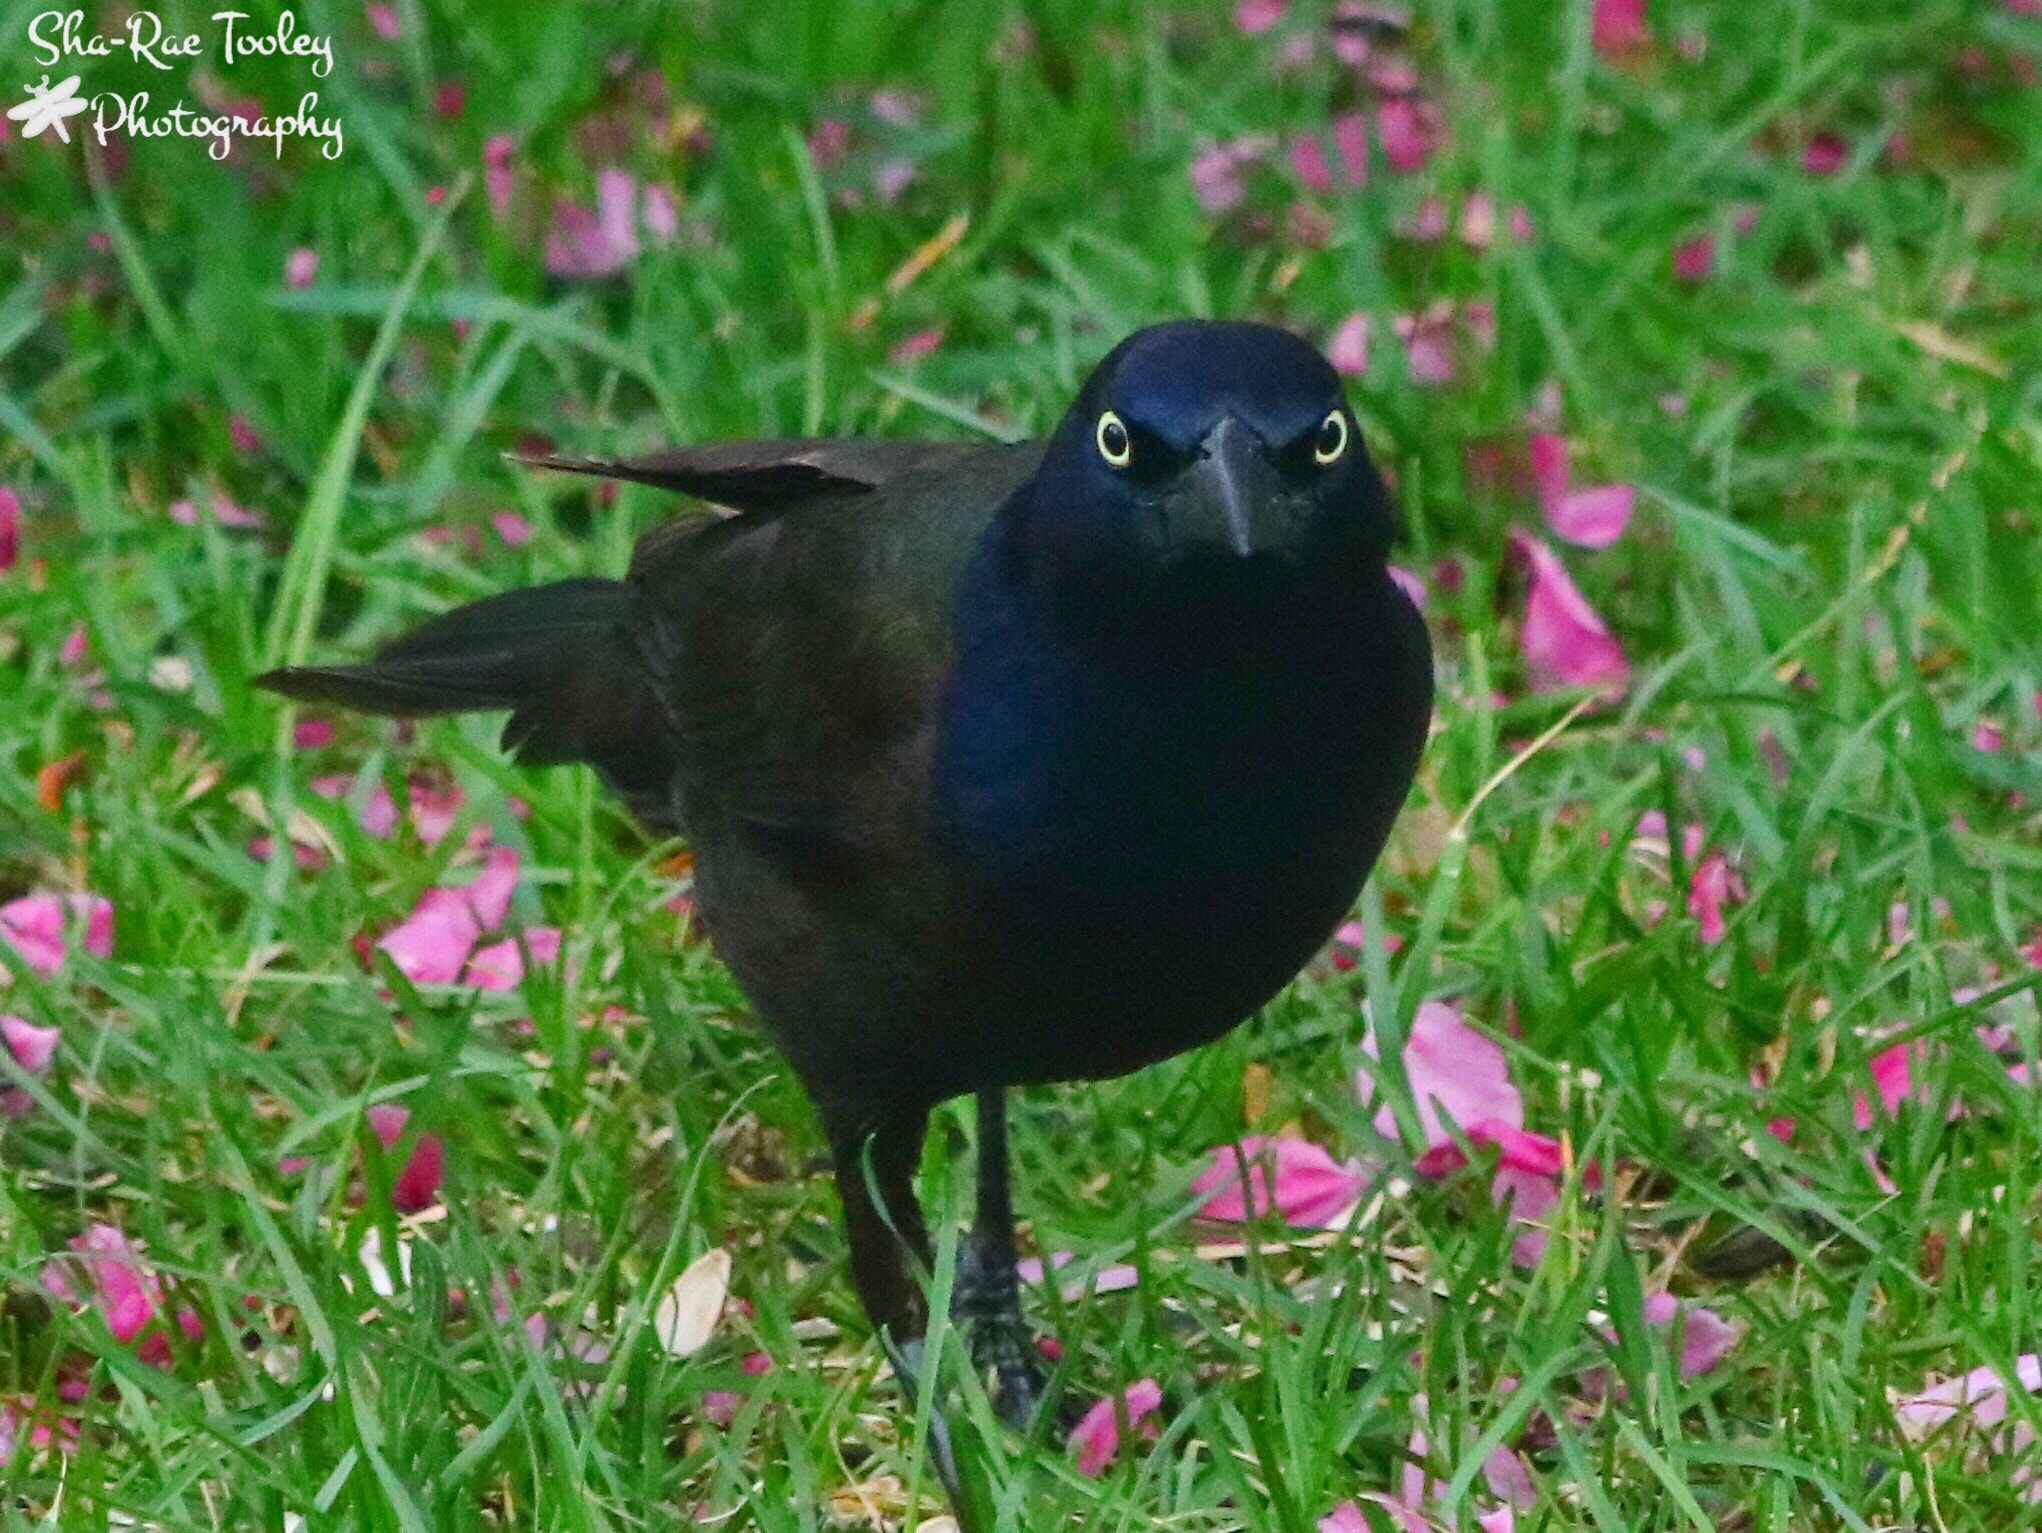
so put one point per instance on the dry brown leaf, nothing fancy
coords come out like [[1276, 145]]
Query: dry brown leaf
[[687, 1315], [1938, 342], [872, 1501], [1256, 1085], [928, 253], [54, 777]]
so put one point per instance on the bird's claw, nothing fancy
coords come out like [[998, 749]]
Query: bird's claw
[[987, 1301]]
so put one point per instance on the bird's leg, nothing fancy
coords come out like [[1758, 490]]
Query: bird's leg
[[988, 1297], [883, 1222]]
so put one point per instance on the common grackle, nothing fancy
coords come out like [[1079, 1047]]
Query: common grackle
[[1001, 764]]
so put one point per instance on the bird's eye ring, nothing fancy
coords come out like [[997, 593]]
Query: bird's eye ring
[[1331, 439], [1115, 445]]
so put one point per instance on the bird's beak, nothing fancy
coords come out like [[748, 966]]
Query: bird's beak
[[1232, 488]]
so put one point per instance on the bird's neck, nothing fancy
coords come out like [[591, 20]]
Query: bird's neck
[[1203, 618]]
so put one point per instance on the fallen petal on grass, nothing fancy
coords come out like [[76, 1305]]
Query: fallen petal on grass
[[1096, 1438], [1293, 1178], [1566, 643], [38, 928], [688, 1311]]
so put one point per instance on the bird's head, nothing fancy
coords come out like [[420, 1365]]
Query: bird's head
[[1208, 444]]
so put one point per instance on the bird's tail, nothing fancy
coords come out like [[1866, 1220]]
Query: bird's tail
[[564, 658]]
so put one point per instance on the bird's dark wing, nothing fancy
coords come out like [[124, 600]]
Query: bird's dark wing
[[803, 640], [770, 473]]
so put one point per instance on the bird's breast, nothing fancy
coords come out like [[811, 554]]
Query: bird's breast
[[1160, 854]]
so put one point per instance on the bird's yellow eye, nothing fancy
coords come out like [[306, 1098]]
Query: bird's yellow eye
[[1331, 440], [1115, 446]]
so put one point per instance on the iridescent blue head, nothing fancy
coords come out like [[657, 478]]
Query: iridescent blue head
[[1224, 450]]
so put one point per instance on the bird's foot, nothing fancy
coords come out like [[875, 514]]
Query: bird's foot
[[987, 1301]]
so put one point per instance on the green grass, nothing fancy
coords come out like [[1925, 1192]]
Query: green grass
[[1834, 559]]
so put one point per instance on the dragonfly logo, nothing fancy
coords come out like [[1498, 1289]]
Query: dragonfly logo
[[47, 107]]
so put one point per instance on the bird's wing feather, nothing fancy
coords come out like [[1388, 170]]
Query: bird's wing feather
[[772, 472], [806, 640]]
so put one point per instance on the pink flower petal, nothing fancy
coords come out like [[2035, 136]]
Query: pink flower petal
[[301, 267], [1538, 1154], [1510, 1481], [1407, 1518], [1619, 29], [1216, 172], [1565, 642], [1116, 1278], [1427, 347], [1825, 154], [243, 436], [434, 810], [186, 513], [32, 1047], [417, 1185], [577, 245], [35, 926], [386, 1121], [1529, 1198], [1593, 518], [379, 813], [497, 177], [512, 527], [1892, 1072], [311, 734], [10, 528], [891, 178], [1706, 1339], [490, 891], [1456, 1074], [913, 348], [1408, 136], [1096, 1438], [1979, 1397], [1478, 221], [1347, 347], [127, 1295], [1304, 1185], [1694, 259], [1344, 1518], [1308, 159], [1547, 451], [1429, 224], [430, 945], [1710, 887], [1350, 138], [617, 211], [1253, 16], [501, 965], [384, 19], [720, 1406]]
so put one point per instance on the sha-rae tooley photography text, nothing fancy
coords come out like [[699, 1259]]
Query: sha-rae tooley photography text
[[58, 38]]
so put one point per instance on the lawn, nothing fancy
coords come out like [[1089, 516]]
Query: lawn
[[1700, 339]]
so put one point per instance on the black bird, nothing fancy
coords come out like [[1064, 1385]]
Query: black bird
[[1001, 764]]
